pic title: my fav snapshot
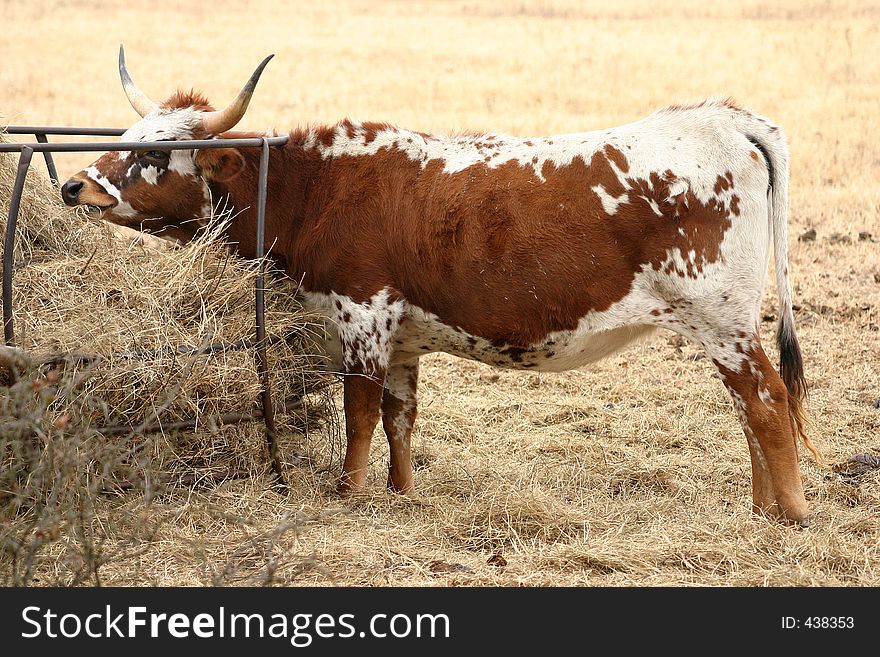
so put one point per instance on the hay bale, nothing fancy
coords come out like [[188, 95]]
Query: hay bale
[[79, 288]]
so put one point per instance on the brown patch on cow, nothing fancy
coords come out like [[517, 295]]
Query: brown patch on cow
[[681, 205], [723, 183], [734, 205], [617, 156], [325, 135], [370, 132], [348, 126], [184, 99], [176, 197]]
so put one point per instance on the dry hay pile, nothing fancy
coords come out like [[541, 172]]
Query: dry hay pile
[[102, 322]]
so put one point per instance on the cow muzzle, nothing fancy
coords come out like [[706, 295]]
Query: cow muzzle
[[78, 192]]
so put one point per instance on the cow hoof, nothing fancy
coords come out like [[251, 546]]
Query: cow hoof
[[799, 520], [405, 487], [346, 489], [797, 523], [408, 491], [796, 514]]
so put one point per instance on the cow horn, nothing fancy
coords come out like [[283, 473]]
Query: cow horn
[[223, 120], [142, 105]]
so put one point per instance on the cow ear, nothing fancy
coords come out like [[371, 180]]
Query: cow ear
[[220, 164]]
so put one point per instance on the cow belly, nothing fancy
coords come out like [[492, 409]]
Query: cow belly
[[564, 350], [380, 333]]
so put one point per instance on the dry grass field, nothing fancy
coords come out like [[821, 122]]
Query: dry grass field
[[633, 472]]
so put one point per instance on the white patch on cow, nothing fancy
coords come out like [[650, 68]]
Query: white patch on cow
[[122, 208], [398, 382], [182, 162], [401, 427], [758, 376], [460, 152], [165, 124], [168, 125], [104, 182], [765, 396], [151, 174], [423, 332], [364, 330], [206, 212], [609, 202]]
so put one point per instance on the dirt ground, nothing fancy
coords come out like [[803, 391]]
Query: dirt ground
[[633, 472]]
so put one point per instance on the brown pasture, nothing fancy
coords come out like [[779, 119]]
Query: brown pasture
[[632, 472]]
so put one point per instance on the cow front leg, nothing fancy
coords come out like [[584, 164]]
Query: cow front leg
[[761, 400], [362, 398], [399, 409], [365, 331]]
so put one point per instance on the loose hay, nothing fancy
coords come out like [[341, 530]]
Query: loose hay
[[110, 317]]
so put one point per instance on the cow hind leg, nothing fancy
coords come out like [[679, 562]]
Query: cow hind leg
[[762, 403], [399, 408]]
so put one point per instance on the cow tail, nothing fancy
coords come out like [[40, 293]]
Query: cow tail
[[770, 141]]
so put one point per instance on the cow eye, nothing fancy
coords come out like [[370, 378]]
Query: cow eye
[[159, 156]]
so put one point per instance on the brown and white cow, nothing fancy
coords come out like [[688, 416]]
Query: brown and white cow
[[545, 253]]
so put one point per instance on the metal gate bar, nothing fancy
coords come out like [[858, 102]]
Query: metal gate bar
[[41, 132]]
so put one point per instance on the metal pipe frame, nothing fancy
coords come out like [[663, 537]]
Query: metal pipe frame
[[42, 145], [24, 162]]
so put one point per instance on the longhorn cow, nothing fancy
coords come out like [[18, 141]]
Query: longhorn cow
[[542, 253]]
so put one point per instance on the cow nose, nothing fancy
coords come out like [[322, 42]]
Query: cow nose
[[70, 191]]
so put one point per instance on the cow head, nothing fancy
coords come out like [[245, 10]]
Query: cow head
[[157, 191]]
